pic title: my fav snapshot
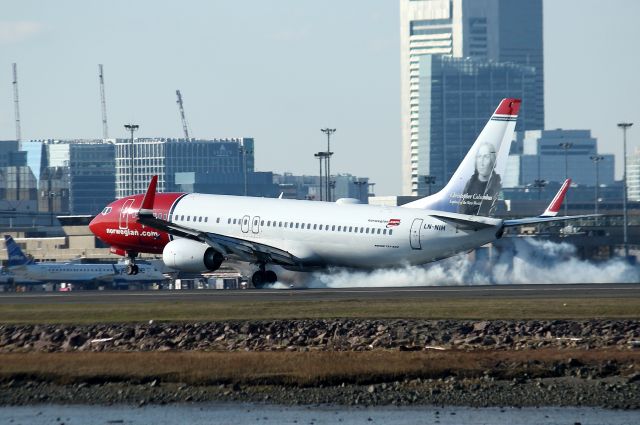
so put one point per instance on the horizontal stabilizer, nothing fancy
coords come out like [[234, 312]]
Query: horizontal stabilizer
[[536, 220], [466, 222]]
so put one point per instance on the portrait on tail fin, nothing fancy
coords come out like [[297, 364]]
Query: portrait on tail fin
[[481, 190], [475, 186]]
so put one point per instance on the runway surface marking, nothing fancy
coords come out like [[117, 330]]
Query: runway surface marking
[[328, 291]]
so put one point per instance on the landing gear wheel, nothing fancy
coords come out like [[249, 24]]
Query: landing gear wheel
[[132, 267], [258, 280], [270, 276]]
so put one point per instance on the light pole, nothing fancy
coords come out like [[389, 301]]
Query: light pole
[[596, 160], [328, 131], [566, 146], [539, 184], [624, 126], [244, 152], [131, 128], [320, 156], [429, 180], [360, 183]]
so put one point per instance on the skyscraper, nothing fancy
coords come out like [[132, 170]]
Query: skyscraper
[[457, 97], [490, 30]]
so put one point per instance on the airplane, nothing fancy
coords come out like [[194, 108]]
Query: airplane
[[26, 271], [198, 232]]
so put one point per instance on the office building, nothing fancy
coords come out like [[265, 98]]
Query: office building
[[10, 154], [543, 158], [76, 176], [308, 187], [493, 30], [633, 176], [18, 186], [223, 166], [457, 97]]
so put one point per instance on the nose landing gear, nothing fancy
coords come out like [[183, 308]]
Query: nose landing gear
[[132, 267], [263, 277]]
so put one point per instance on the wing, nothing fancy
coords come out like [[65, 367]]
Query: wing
[[229, 246]]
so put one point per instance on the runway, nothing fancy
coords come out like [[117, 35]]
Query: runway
[[551, 291]]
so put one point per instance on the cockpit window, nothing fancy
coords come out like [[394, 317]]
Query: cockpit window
[[106, 210]]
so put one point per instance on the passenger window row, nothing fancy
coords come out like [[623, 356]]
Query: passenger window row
[[310, 226], [182, 217], [281, 224]]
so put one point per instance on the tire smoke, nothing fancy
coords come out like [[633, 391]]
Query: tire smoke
[[514, 261]]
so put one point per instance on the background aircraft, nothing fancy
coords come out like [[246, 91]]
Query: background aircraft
[[24, 270]]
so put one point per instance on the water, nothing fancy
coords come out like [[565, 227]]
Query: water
[[244, 413]]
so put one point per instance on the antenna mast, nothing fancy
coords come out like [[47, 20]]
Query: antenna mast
[[103, 102], [16, 101], [184, 119]]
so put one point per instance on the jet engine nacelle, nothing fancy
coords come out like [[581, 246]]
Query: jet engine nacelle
[[191, 256]]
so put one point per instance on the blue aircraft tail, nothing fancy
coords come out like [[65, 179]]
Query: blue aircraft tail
[[15, 254]]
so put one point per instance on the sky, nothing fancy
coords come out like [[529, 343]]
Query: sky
[[279, 71]]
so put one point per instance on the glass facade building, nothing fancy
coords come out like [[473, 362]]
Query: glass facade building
[[18, 186], [544, 158], [210, 166], [76, 176], [492, 30], [308, 187], [457, 97]]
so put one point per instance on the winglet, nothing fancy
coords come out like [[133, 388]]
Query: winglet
[[150, 196], [554, 206]]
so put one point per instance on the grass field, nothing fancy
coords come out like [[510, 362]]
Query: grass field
[[539, 308], [294, 368]]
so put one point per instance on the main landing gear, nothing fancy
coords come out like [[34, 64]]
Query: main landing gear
[[132, 267], [263, 277]]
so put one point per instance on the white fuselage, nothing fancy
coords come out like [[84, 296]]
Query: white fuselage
[[330, 234], [72, 272]]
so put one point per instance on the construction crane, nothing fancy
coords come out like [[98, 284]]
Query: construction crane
[[185, 128], [16, 101], [103, 102]]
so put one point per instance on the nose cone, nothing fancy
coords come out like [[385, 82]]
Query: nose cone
[[95, 225]]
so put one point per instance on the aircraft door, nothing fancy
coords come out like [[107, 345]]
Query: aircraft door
[[415, 233], [124, 214], [255, 225], [244, 225]]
